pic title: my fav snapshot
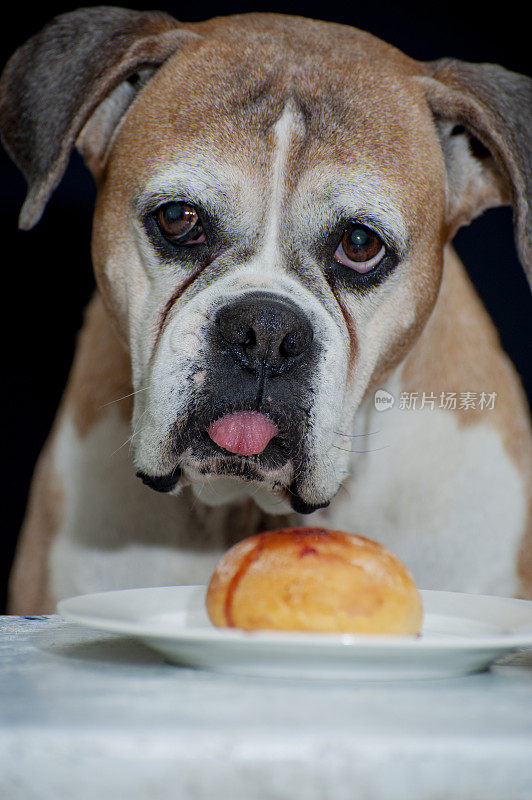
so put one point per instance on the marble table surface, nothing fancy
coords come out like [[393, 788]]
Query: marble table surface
[[86, 715]]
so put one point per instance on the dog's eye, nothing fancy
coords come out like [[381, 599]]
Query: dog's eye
[[180, 223], [360, 248]]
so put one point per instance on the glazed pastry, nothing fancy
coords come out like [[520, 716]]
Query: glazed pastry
[[313, 579]]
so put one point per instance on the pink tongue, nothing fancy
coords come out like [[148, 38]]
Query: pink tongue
[[245, 433]]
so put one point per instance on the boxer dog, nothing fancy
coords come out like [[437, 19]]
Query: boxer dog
[[281, 325]]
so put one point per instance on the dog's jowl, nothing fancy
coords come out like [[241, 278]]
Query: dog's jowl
[[278, 300]]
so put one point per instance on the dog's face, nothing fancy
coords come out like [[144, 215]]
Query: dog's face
[[268, 233], [269, 230]]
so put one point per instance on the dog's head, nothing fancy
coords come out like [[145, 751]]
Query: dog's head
[[274, 198]]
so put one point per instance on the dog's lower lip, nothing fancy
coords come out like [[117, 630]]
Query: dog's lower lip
[[160, 483], [244, 433]]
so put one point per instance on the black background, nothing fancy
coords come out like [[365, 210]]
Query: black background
[[46, 273]]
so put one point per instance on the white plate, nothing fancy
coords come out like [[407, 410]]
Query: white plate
[[461, 633]]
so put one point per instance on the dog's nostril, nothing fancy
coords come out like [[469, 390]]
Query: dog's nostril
[[236, 332], [250, 339], [295, 342]]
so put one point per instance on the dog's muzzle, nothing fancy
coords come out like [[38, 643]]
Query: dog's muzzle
[[265, 336], [250, 417]]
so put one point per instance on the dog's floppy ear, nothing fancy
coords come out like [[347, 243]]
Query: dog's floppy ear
[[484, 116], [52, 85]]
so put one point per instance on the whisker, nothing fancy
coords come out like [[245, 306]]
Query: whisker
[[354, 435], [122, 445], [135, 433], [196, 496], [374, 450], [130, 438], [345, 490], [110, 403], [138, 430]]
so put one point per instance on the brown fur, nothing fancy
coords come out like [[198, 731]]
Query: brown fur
[[101, 372], [28, 586], [460, 351]]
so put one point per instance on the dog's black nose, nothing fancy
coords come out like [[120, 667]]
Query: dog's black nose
[[264, 331]]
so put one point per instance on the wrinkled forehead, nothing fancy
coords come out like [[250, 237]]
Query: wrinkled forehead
[[221, 101]]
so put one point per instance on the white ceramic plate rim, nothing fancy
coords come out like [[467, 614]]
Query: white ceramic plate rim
[[81, 609]]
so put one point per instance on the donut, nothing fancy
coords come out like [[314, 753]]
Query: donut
[[313, 579]]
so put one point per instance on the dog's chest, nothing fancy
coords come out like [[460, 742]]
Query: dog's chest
[[447, 500]]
